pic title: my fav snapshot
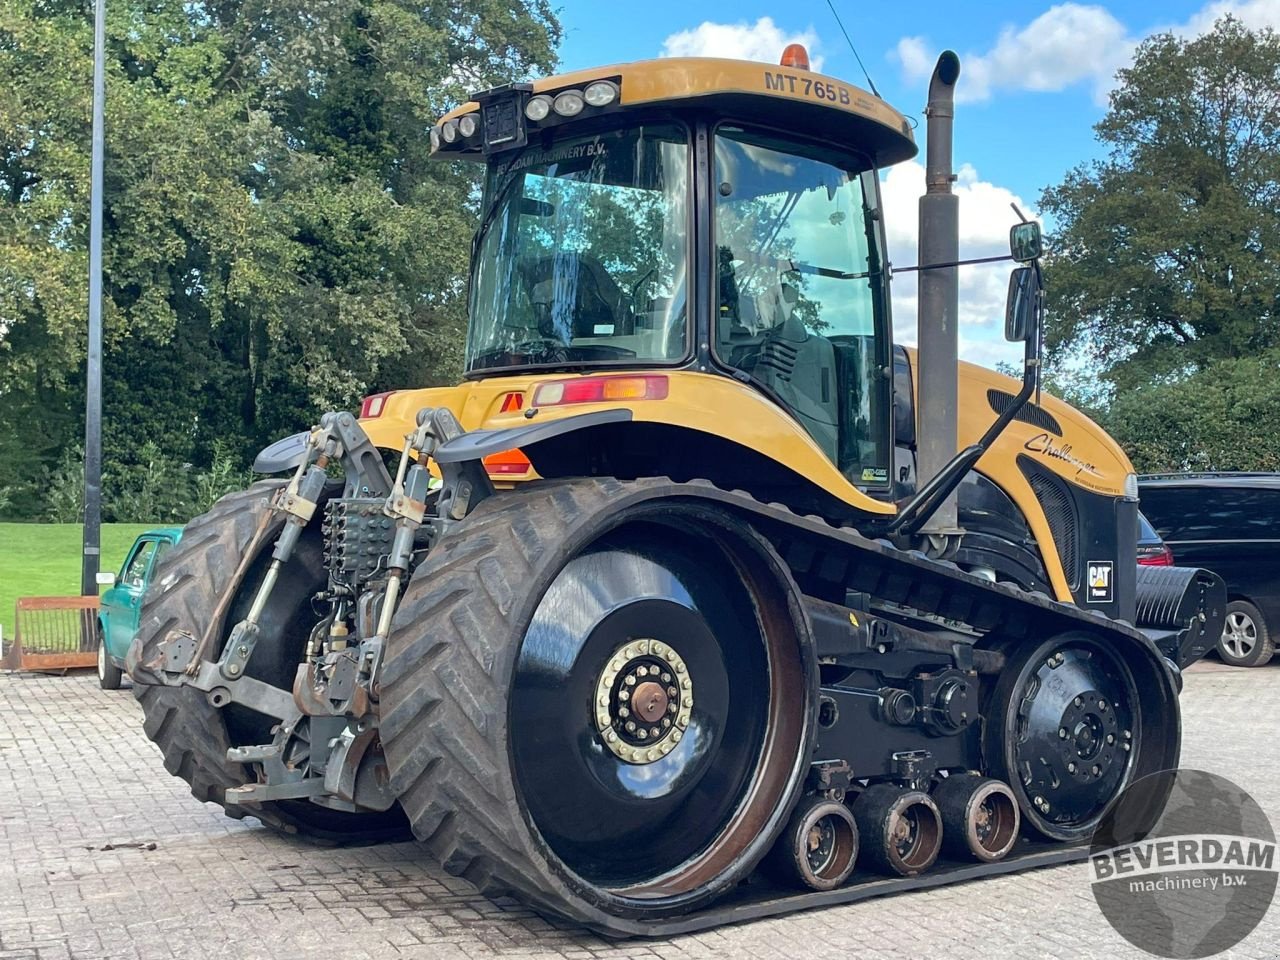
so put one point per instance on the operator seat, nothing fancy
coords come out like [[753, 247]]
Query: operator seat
[[800, 367], [574, 297]]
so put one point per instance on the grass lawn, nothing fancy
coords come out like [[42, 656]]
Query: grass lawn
[[43, 560]]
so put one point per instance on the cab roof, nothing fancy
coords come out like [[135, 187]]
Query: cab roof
[[789, 98]]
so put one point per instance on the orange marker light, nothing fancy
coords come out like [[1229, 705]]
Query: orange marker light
[[506, 463], [795, 56]]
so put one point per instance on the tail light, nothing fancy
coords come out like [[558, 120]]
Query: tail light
[[506, 463], [600, 389], [1154, 556], [371, 407]]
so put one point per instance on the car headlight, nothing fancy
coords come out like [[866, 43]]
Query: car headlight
[[468, 125], [449, 131]]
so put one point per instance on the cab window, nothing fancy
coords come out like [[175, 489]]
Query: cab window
[[801, 305], [136, 571]]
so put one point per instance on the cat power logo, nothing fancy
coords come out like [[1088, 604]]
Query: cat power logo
[[1101, 576]]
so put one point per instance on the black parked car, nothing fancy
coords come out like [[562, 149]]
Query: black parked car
[[1228, 523], [1152, 550]]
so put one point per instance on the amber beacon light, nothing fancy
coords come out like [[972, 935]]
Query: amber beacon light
[[795, 56]]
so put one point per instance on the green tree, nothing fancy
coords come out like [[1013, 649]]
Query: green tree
[[1223, 417], [1166, 256], [277, 242]]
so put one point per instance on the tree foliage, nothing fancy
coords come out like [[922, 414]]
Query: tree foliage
[[277, 242], [1167, 254]]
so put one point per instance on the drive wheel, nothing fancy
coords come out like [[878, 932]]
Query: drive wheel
[[1071, 723], [1245, 640], [597, 700], [192, 734]]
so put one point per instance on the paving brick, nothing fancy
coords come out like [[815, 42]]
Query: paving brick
[[104, 855]]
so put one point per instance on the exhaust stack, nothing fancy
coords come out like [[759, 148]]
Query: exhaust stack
[[937, 318]]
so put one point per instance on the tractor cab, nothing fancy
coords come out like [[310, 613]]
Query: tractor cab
[[691, 215]]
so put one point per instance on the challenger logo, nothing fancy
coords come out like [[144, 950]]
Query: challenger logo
[[1044, 445]]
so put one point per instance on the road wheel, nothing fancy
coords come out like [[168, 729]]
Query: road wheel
[[597, 702], [1071, 722], [192, 734], [1245, 641], [109, 675]]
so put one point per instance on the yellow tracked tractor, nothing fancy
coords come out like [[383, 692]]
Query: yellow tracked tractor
[[697, 588]]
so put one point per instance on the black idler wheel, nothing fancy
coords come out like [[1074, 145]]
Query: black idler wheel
[[1072, 721]]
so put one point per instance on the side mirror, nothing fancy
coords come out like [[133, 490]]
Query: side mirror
[[105, 578], [1025, 242], [1023, 305]]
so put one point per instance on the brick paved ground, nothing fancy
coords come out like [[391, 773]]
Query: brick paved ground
[[105, 855]]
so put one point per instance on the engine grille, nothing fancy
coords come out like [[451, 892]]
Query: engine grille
[[1060, 511], [1030, 413]]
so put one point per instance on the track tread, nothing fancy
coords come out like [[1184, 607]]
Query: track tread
[[469, 597], [445, 734]]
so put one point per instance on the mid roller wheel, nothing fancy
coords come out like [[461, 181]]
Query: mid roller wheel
[[817, 848]]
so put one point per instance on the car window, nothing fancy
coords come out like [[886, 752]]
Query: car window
[[162, 548], [1145, 530], [1191, 512], [136, 572]]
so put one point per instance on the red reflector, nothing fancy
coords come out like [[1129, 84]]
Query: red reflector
[[795, 56], [512, 401], [372, 406], [601, 390], [507, 462]]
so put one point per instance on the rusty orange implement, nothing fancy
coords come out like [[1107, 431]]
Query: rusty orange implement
[[53, 633]]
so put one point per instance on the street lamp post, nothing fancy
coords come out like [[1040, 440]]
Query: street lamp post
[[93, 379]]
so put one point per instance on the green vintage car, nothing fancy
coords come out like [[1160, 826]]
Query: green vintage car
[[119, 608]]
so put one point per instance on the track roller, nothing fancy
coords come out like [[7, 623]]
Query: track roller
[[901, 830], [818, 846], [979, 817]]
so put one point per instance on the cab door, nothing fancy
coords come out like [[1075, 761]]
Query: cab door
[[123, 602]]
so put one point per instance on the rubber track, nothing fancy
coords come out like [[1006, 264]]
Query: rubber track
[[191, 732], [457, 632]]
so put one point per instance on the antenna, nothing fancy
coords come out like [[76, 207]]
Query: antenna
[[871, 83]]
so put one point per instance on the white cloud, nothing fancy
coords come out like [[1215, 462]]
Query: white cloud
[[762, 41], [1068, 44], [1254, 14], [985, 218]]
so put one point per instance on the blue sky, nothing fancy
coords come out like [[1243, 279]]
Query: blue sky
[[1034, 80]]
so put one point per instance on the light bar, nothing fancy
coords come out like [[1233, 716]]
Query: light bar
[[600, 390]]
